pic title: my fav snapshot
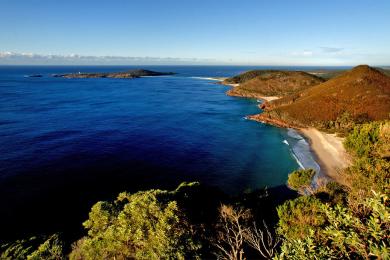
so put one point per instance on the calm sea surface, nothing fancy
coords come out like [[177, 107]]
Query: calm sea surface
[[67, 143]]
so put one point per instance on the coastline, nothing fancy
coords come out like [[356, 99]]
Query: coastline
[[327, 149], [251, 95]]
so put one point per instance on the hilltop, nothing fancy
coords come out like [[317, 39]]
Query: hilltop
[[361, 94], [266, 83], [119, 75], [332, 73]]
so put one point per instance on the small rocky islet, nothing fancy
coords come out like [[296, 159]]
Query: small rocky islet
[[130, 74]]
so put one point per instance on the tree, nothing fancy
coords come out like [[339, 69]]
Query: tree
[[262, 240], [144, 225], [232, 231], [300, 180]]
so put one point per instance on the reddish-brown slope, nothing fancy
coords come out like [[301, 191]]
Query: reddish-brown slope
[[275, 83], [362, 93]]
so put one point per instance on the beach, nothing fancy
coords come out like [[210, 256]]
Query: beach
[[329, 152], [233, 85]]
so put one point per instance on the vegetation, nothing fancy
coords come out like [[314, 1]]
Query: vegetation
[[34, 248], [300, 180], [243, 77], [357, 96], [273, 83], [342, 234], [144, 225], [350, 221], [337, 221]]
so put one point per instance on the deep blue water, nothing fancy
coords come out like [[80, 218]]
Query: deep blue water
[[66, 143]]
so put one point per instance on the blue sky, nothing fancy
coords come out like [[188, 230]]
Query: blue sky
[[253, 32]]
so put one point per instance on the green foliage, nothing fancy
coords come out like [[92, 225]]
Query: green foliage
[[19, 249], [336, 193], [299, 217], [344, 235], [300, 179], [361, 141], [356, 221], [371, 170], [144, 225], [51, 249], [33, 249]]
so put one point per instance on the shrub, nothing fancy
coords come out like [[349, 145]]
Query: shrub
[[300, 179], [144, 225], [34, 248], [345, 236], [362, 139], [298, 217]]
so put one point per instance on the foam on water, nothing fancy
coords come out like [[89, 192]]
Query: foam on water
[[301, 151]]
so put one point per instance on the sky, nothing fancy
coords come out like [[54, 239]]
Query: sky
[[241, 32]]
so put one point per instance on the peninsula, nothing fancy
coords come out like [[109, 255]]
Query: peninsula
[[130, 74], [321, 108]]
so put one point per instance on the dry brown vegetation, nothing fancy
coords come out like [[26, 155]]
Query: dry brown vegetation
[[272, 83], [361, 94]]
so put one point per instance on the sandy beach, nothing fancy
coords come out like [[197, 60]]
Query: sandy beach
[[329, 150], [233, 85]]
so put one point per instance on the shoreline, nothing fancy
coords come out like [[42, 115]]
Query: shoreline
[[327, 149], [233, 85], [329, 152]]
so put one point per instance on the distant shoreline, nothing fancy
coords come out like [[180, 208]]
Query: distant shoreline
[[233, 85]]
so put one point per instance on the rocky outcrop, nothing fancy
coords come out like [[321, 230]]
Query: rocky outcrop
[[265, 118]]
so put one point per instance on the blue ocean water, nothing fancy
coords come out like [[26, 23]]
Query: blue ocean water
[[66, 143]]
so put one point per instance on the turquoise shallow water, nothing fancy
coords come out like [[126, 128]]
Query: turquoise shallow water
[[66, 143]]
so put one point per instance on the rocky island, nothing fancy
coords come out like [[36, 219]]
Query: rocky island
[[130, 74]]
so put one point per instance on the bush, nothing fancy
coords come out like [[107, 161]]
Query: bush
[[344, 235], [298, 217], [34, 248], [362, 139], [144, 225], [301, 179]]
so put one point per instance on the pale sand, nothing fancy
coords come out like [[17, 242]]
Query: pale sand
[[329, 150], [269, 98], [212, 78]]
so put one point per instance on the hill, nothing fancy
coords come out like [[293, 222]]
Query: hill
[[332, 73], [361, 94], [271, 83]]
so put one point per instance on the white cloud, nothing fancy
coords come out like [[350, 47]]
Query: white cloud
[[305, 53], [7, 57]]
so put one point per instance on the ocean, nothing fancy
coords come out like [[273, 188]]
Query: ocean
[[67, 143]]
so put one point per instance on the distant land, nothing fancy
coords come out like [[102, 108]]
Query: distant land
[[130, 74], [261, 83]]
